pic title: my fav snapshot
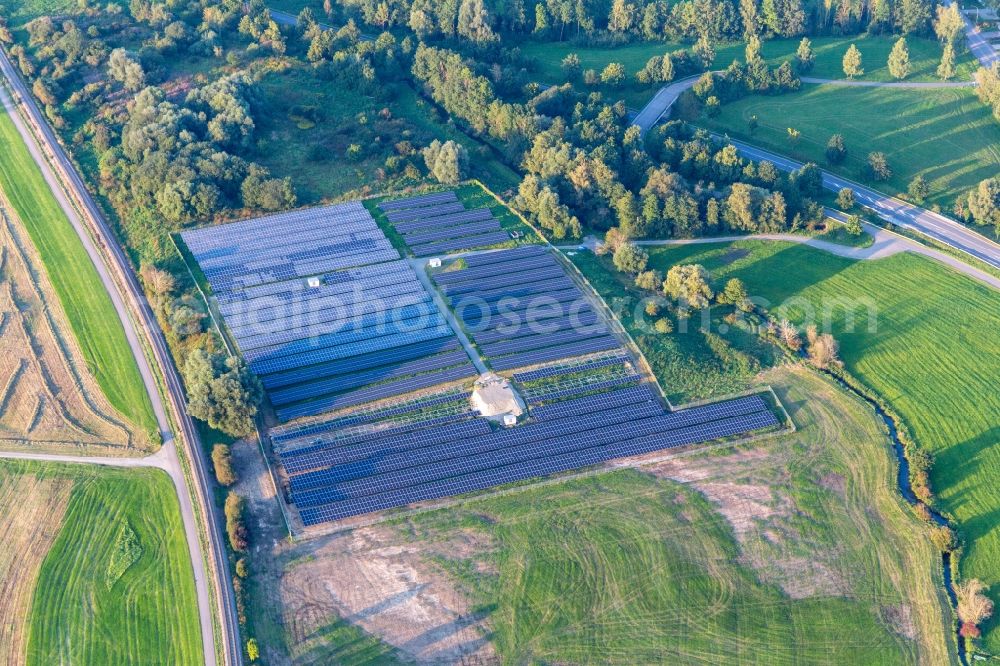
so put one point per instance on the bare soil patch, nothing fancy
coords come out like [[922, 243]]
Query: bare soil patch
[[373, 579], [31, 513], [48, 398]]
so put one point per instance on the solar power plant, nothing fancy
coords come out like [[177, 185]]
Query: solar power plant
[[331, 479], [522, 308], [325, 311]]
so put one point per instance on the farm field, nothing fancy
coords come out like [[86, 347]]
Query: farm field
[[48, 398], [946, 135], [82, 595], [742, 552], [939, 375], [88, 308]]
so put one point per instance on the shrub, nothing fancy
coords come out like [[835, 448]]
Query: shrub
[[222, 461], [853, 225], [944, 539], [649, 280], [629, 258], [663, 326], [253, 652], [836, 151], [845, 199], [235, 527], [241, 568], [877, 167], [823, 348]]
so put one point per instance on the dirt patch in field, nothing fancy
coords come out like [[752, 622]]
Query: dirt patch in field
[[31, 512], [48, 398], [374, 579], [762, 517]]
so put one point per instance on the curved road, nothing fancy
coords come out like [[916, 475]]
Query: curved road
[[167, 458], [908, 216]]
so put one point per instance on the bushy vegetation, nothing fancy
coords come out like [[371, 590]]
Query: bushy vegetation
[[127, 551]]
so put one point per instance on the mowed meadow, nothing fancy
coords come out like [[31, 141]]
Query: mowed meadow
[[96, 598], [934, 354]]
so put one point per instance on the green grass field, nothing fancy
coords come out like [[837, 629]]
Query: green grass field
[[88, 306], [149, 615], [630, 567], [934, 356], [946, 135]]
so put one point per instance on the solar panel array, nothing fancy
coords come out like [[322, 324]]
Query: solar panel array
[[325, 311], [522, 309], [332, 479], [438, 224]]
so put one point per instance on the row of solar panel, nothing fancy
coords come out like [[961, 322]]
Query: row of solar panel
[[390, 464], [359, 362], [542, 307], [623, 380], [451, 279], [318, 430], [461, 230], [594, 402], [410, 214], [324, 354], [537, 356], [268, 225], [418, 201], [303, 455], [401, 439], [555, 371], [288, 242], [327, 385], [467, 243], [527, 272], [574, 452], [327, 307], [349, 339], [377, 392], [353, 250], [421, 433], [368, 324], [290, 271], [365, 276], [441, 221], [516, 328]]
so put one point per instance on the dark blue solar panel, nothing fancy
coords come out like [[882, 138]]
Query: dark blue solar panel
[[363, 445], [554, 353], [542, 373], [467, 449], [495, 294], [298, 392], [584, 388], [323, 428], [552, 463], [351, 337], [377, 392], [514, 275], [525, 344], [559, 302], [522, 252], [476, 215], [467, 243], [359, 363], [592, 403], [456, 231], [424, 212], [587, 320], [418, 201], [450, 280], [397, 441], [323, 354]]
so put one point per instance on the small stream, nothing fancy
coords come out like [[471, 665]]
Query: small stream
[[906, 490]]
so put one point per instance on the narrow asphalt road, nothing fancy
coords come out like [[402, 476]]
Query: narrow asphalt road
[[167, 458], [896, 211], [980, 47]]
